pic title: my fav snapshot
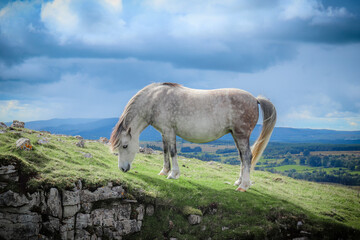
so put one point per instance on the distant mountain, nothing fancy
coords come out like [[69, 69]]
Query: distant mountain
[[96, 128]]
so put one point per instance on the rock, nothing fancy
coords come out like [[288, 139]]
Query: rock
[[224, 228], [3, 125], [70, 197], [8, 174], [7, 169], [194, 219], [146, 150], [19, 226], [17, 124], [86, 207], [71, 203], [299, 224], [81, 143], [79, 137], [43, 141], [67, 228], [52, 226], [83, 220], [54, 203], [2, 131], [150, 210], [70, 211], [140, 212], [104, 140], [128, 226], [12, 199], [102, 193], [24, 144], [88, 155], [82, 234]]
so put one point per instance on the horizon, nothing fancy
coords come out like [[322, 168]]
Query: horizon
[[86, 59], [96, 119]]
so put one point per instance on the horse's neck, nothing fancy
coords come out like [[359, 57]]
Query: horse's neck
[[138, 124]]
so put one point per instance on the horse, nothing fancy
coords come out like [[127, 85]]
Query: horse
[[197, 116]]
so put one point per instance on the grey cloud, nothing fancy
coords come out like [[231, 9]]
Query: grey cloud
[[243, 52]]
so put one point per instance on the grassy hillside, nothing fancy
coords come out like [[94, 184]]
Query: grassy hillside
[[272, 208]]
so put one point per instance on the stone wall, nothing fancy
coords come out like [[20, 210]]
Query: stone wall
[[67, 214]]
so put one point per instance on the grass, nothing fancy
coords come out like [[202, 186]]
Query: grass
[[270, 209]]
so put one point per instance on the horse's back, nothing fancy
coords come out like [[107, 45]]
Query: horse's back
[[204, 115]]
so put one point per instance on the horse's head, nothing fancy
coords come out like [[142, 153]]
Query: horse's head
[[127, 146]]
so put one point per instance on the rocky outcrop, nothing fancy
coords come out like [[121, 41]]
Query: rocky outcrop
[[3, 125], [79, 213], [17, 124]]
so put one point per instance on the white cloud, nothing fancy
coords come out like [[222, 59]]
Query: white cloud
[[22, 110], [312, 9], [88, 21]]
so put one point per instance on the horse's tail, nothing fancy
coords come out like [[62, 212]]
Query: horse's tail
[[269, 120]]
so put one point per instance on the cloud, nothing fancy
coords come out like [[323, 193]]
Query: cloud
[[17, 110], [87, 21], [220, 35]]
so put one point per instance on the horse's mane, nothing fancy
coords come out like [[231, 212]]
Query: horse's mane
[[128, 113], [122, 123]]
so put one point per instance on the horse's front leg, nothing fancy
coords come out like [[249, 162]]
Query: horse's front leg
[[175, 170], [166, 168]]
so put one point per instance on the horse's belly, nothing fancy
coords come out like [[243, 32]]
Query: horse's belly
[[201, 132]]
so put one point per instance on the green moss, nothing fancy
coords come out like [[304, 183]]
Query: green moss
[[188, 210]]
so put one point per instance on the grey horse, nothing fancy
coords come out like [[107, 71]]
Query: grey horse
[[197, 116]]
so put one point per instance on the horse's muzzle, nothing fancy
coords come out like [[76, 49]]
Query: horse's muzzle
[[125, 169]]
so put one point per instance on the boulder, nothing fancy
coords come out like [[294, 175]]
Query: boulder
[[24, 144], [104, 140], [81, 143], [146, 150], [17, 124], [194, 219], [79, 137]]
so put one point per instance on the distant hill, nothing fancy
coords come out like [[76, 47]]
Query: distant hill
[[96, 128]]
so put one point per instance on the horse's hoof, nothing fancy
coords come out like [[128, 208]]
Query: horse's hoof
[[173, 176], [164, 172], [240, 189], [237, 183]]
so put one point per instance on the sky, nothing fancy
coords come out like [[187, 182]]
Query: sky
[[87, 58]]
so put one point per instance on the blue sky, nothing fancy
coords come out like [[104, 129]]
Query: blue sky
[[86, 58]]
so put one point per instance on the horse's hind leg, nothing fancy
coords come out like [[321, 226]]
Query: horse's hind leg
[[166, 167], [245, 155]]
